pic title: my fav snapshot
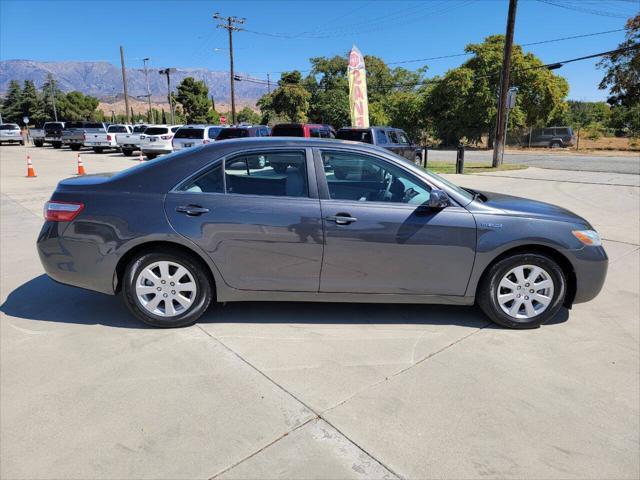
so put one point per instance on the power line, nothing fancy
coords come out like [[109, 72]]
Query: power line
[[581, 9]]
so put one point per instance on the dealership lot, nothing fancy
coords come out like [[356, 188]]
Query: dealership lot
[[282, 390]]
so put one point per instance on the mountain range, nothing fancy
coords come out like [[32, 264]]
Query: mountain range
[[104, 80]]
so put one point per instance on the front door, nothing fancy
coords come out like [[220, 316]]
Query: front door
[[377, 240], [258, 217]]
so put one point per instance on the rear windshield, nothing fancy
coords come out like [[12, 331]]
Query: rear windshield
[[214, 132], [49, 127], [156, 131], [233, 133], [118, 129], [287, 131], [139, 128], [9, 126], [93, 125], [190, 133], [73, 125], [355, 135]]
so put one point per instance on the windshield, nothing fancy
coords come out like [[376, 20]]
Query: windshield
[[233, 133], [118, 129], [197, 133], [156, 131], [9, 126], [287, 131], [355, 135]]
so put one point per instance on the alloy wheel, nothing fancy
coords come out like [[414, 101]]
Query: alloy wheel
[[166, 289], [525, 291]]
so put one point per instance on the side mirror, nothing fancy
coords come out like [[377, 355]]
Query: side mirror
[[438, 199]]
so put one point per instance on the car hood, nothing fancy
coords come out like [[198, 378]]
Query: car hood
[[525, 207]]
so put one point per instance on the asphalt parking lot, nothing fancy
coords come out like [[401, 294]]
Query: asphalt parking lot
[[332, 391]]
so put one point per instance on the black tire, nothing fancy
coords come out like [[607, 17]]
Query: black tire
[[38, 143], [487, 295], [127, 152], [22, 143], [203, 295], [98, 149], [150, 156], [57, 144], [555, 144], [75, 147]]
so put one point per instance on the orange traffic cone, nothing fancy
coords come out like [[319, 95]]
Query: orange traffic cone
[[80, 166], [31, 173]]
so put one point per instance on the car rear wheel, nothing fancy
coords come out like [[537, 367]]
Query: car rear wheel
[[150, 156], [555, 144], [98, 149], [127, 152], [169, 289], [38, 143], [57, 144], [522, 291], [75, 148]]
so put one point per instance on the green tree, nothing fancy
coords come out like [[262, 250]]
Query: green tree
[[31, 103], [471, 90], [193, 95], [291, 99], [12, 103], [247, 115], [622, 76], [76, 106]]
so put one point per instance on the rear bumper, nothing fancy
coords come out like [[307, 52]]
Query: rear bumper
[[158, 150], [590, 265], [76, 262]]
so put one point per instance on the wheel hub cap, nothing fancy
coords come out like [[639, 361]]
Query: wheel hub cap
[[166, 289], [525, 291]]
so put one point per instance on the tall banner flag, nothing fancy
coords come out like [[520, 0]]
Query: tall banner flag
[[358, 101]]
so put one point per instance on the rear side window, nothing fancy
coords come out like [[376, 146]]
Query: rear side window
[[381, 137], [547, 131], [355, 135], [193, 133], [276, 173], [287, 131], [233, 133], [156, 131], [209, 182], [562, 131]]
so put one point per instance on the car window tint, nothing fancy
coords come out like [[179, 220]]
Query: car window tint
[[547, 131], [278, 173], [362, 178], [214, 132], [381, 137], [209, 182], [562, 131], [393, 136], [403, 137], [174, 129], [314, 132]]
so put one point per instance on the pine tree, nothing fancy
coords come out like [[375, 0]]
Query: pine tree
[[12, 104]]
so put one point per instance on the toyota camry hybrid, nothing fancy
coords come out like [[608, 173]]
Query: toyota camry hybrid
[[305, 219]]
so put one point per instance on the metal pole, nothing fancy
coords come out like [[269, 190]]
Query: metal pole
[[146, 76], [530, 131], [173, 121], [124, 83], [53, 99], [498, 148], [233, 93], [268, 83]]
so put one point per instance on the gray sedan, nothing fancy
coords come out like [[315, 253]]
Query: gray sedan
[[290, 219]]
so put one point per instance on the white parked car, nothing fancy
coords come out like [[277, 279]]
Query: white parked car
[[156, 140], [10, 133], [130, 142], [194, 135], [100, 141]]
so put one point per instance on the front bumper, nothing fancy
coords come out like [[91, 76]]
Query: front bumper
[[590, 266]]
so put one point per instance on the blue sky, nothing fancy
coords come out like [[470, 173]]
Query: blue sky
[[183, 34]]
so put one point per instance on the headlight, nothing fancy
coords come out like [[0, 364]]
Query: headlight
[[588, 237]]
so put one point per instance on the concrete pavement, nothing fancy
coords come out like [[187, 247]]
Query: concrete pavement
[[285, 390]]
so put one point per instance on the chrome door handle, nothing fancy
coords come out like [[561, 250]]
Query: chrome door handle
[[192, 210], [341, 219]]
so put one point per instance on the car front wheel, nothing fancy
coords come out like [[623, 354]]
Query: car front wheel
[[522, 291], [169, 289]]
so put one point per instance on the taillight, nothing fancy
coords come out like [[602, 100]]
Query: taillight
[[108, 138], [61, 211], [166, 137]]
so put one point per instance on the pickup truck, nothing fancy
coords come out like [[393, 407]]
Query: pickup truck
[[393, 139], [75, 132], [130, 142], [100, 141], [51, 132]]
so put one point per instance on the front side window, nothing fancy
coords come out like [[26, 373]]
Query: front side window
[[403, 137], [393, 136], [277, 173], [362, 178]]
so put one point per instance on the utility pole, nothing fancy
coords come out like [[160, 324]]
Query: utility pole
[[268, 83], [146, 76], [230, 26], [498, 147], [53, 97], [124, 82], [168, 72]]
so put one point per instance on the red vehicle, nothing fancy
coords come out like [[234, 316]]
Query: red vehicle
[[303, 130]]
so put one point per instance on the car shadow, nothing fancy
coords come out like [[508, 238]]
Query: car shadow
[[42, 299]]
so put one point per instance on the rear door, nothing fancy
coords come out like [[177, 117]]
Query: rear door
[[376, 238], [260, 225]]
